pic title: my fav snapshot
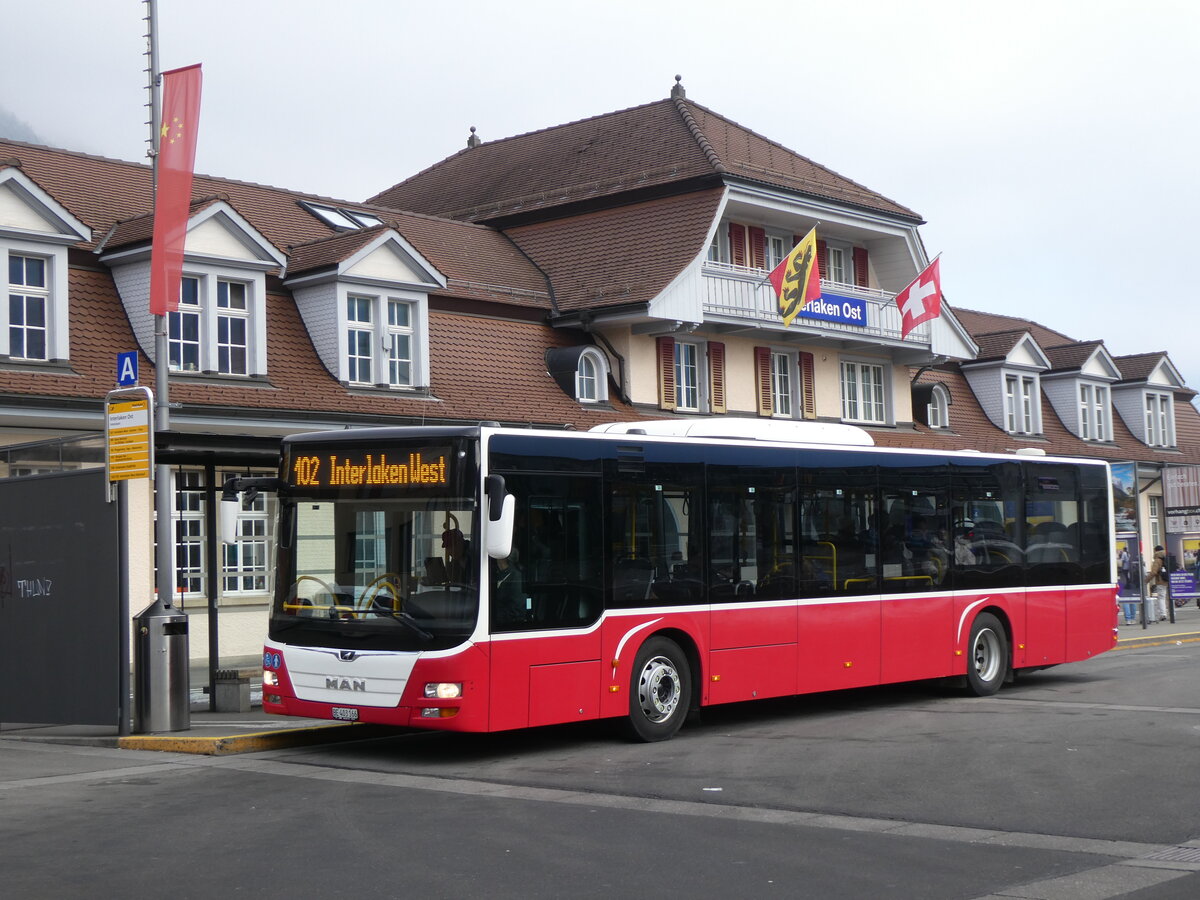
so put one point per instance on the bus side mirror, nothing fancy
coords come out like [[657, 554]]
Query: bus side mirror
[[227, 517], [501, 511]]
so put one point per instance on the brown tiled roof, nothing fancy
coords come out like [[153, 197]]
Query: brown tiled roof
[[978, 323], [1138, 366], [481, 263], [330, 251], [750, 155], [661, 143], [996, 345], [618, 256], [504, 380], [971, 429], [1066, 357], [140, 229]]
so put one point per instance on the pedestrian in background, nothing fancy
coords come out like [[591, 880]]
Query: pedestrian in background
[[1128, 603], [1157, 582]]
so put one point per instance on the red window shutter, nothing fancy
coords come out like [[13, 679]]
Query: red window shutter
[[762, 379], [758, 247], [666, 372], [860, 266], [806, 385], [737, 244], [716, 374], [822, 259]]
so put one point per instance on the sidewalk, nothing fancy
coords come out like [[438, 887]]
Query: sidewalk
[[1185, 629], [210, 733]]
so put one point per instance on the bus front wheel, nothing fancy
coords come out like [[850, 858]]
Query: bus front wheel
[[988, 656], [660, 691]]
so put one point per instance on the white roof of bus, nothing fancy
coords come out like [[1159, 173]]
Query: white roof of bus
[[747, 429]]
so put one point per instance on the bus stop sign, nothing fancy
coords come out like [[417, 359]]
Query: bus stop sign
[[127, 369]]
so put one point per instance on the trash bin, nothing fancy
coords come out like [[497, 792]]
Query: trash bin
[[161, 693]]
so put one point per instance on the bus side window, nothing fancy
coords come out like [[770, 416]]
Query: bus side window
[[558, 554]]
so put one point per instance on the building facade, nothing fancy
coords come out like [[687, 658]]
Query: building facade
[[607, 269]]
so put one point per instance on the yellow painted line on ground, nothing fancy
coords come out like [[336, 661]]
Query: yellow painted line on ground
[[1158, 640], [253, 742]]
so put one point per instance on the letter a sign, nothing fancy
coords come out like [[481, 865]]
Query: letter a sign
[[127, 369]]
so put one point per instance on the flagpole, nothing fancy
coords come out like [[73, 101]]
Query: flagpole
[[164, 531]]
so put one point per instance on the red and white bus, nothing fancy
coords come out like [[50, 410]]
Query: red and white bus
[[487, 578]]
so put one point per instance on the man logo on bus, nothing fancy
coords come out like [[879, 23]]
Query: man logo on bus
[[344, 684]]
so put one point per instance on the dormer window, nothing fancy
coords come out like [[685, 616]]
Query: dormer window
[[1094, 417], [591, 377], [938, 410], [1160, 420], [1020, 404], [381, 334], [212, 329], [28, 302]]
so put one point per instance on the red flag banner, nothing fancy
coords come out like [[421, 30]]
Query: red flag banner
[[797, 279], [921, 300], [173, 195]]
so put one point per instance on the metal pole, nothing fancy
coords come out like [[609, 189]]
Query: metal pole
[[212, 549], [164, 525], [123, 710]]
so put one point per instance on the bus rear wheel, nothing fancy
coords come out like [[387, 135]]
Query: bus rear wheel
[[660, 691], [987, 662]]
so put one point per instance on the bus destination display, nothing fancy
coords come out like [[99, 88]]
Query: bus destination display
[[419, 469]]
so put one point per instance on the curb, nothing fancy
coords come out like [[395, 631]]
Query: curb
[[254, 742], [1158, 640]]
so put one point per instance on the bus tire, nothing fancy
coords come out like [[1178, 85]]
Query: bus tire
[[987, 656], [660, 691]]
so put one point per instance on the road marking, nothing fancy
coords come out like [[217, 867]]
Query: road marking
[[1123, 850], [1077, 704]]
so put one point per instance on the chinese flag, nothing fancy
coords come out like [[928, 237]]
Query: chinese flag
[[797, 279], [921, 300], [173, 196]]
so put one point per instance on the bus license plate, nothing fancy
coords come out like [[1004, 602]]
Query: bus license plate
[[345, 713]]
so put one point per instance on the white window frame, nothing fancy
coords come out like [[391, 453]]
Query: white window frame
[[1022, 403], [52, 294], [214, 315], [385, 339], [785, 382], [398, 335], [778, 246], [845, 253], [1095, 417], [690, 395], [591, 377], [361, 318], [28, 297], [937, 412], [245, 566], [1154, 518], [857, 406], [1159, 411], [231, 316]]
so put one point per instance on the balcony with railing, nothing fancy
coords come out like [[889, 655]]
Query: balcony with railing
[[740, 296]]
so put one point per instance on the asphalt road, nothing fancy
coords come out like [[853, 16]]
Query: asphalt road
[[1077, 782]]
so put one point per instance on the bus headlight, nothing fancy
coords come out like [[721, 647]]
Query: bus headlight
[[443, 690], [270, 679]]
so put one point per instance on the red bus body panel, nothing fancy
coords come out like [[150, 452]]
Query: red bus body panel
[[738, 652]]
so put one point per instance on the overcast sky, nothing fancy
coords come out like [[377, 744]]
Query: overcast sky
[[1051, 145]]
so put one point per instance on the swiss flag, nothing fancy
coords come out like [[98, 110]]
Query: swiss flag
[[921, 300]]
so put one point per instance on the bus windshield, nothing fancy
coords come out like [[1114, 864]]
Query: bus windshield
[[366, 564]]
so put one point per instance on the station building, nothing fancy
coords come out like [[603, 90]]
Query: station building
[[607, 269]]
